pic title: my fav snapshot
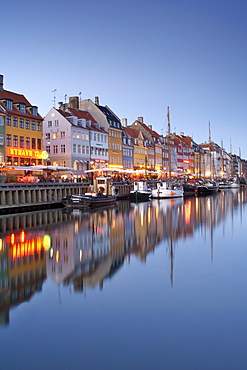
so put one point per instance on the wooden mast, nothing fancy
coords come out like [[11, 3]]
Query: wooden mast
[[169, 142]]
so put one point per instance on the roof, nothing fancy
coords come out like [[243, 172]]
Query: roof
[[109, 114], [17, 98], [131, 132], [81, 114], [153, 133]]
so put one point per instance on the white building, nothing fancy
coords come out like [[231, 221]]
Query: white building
[[68, 136]]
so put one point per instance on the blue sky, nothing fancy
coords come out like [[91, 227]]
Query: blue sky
[[139, 57]]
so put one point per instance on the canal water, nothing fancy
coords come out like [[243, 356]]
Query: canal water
[[153, 285]]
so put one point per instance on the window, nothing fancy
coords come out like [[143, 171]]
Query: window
[[8, 121], [33, 125], [27, 124], [48, 136], [48, 149], [35, 111], [39, 144], [87, 149], [63, 148], [22, 107], [55, 149], [9, 104], [83, 149], [56, 122], [28, 142], [21, 123], [62, 134], [15, 122], [74, 148], [1, 139], [15, 141], [54, 135], [63, 163], [49, 124], [79, 148], [98, 137], [94, 136], [21, 141], [1, 121], [33, 143], [38, 126]]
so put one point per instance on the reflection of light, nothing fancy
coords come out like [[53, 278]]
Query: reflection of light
[[209, 204], [22, 236], [80, 255], [1, 244], [149, 215], [113, 224], [51, 252], [47, 242], [142, 221], [76, 227], [187, 212], [12, 238], [57, 256]]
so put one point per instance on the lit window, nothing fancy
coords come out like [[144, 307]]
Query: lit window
[[54, 135]]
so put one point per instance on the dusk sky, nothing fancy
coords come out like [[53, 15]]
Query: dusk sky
[[139, 57]]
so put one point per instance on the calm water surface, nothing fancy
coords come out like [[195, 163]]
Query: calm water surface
[[155, 285]]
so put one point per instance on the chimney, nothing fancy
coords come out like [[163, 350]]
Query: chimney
[[140, 119], [150, 127], [1, 82], [124, 122], [74, 102], [96, 100]]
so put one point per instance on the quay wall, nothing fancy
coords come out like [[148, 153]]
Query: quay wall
[[26, 197]]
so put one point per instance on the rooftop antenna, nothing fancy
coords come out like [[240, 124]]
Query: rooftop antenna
[[222, 143], [79, 95], [240, 152], [65, 98], [54, 98], [209, 132], [230, 145]]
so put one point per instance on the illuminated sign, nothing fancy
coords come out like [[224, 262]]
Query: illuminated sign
[[45, 155], [25, 153]]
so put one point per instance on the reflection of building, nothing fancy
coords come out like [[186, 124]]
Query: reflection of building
[[26, 269]]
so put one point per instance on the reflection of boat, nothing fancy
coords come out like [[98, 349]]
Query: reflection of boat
[[141, 191], [166, 189], [207, 188]]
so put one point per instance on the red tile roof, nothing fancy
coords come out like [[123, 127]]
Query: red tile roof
[[17, 98], [81, 114], [131, 132]]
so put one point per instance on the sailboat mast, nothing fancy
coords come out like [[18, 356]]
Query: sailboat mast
[[169, 141]]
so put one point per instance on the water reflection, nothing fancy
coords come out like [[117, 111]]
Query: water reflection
[[84, 249]]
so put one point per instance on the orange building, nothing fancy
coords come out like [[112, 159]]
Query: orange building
[[23, 129]]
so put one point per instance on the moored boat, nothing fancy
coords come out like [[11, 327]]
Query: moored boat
[[207, 188], [141, 192], [167, 189], [101, 194]]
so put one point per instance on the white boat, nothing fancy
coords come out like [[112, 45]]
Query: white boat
[[167, 189], [234, 185]]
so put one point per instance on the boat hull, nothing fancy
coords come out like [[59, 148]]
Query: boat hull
[[206, 190], [87, 201], [140, 196], [166, 193]]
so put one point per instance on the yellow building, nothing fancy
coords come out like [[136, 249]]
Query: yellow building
[[23, 129], [140, 148]]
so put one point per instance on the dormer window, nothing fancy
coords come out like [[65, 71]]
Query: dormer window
[[9, 104], [22, 107], [35, 111]]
